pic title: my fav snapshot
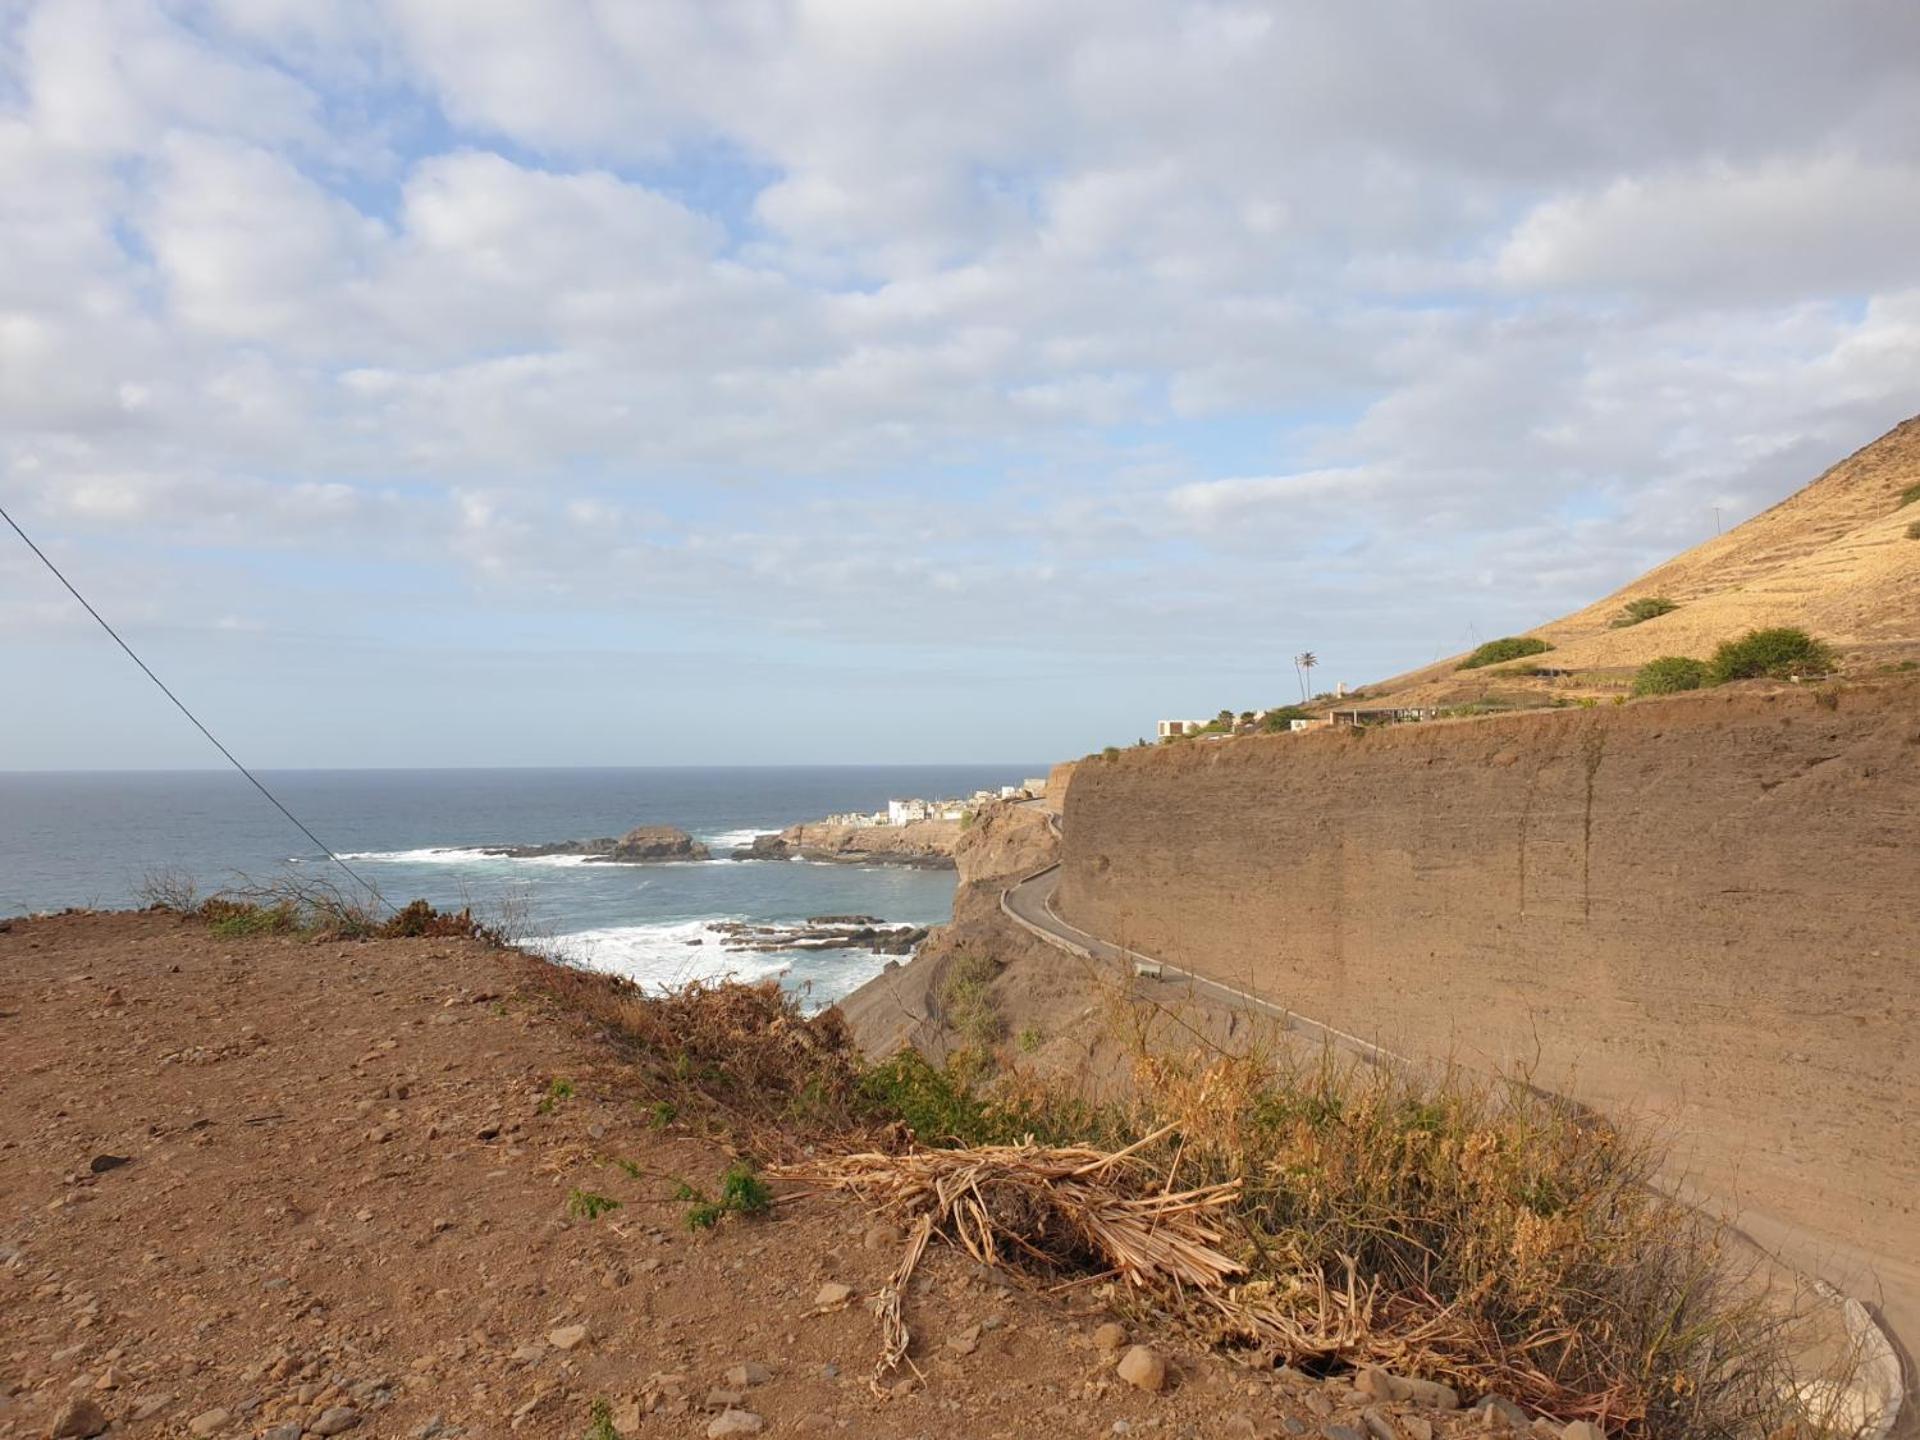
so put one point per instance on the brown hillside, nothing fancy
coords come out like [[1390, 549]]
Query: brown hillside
[[1833, 559]]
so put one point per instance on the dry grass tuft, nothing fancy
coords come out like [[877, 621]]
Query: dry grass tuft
[[742, 1051], [313, 909], [1326, 1214]]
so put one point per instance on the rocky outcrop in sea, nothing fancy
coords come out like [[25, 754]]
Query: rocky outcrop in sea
[[923, 844], [822, 932], [642, 845]]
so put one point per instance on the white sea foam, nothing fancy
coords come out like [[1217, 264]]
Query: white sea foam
[[731, 839], [456, 855], [663, 957], [659, 956]]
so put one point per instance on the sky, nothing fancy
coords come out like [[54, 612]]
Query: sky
[[464, 382]]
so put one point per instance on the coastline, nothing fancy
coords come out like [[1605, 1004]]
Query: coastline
[[919, 844]]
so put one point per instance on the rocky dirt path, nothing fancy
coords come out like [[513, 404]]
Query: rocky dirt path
[[271, 1188]]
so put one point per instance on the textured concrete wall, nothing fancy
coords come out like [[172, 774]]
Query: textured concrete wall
[[1705, 910]]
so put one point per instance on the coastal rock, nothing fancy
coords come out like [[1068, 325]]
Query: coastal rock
[[922, 844], [764, 847], [646, 843], [823, 932], [642, 845]]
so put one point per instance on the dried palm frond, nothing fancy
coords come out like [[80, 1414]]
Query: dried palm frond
[[1051, 1207]]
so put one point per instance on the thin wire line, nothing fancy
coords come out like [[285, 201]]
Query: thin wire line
[[179, 705]]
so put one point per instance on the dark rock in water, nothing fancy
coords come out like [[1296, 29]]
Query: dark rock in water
[[764, 847], [642, 845], [654, 842], [828, 933], [845, 920]]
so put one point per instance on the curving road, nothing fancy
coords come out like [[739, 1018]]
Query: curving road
[[1029, 904]]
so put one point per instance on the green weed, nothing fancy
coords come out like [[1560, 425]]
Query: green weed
[[585, 1205], [741, 1193], [600, 1422], [557, 1091]]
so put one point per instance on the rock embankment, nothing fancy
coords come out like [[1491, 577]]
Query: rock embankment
[[642, 845], [927, 844]]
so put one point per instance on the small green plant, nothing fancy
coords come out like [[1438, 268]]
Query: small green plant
[[557, 1091], [1647, 607], [1780, 653], [600, 1422], [1031, 1039], [585, 1205], [968, 1004], [1669, 675], [662, 1113], [1508, 647], [237, 919], [629, 1168], [1908, 496], [1112, 752], [741, 1193]]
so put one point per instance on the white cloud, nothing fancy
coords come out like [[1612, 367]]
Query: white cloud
[[886, 323], [1780, 231]]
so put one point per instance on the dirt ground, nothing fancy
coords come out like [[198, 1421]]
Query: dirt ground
[[270, 1188]]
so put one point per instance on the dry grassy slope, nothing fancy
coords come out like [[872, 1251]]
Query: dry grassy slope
[[1833, 558]]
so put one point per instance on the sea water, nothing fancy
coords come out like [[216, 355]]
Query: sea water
[[92, 839]]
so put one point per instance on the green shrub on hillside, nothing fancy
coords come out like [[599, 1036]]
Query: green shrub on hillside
[[1781, 652], [967, 1002], [1913, 531], [1669, 675], [1908, 496], [1647, 607], [1509, 647], [1283, 718]]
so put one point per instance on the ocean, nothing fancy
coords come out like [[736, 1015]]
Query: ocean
[[90, 840]]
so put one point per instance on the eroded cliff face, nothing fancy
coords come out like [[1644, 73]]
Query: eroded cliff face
[[902, 1005], [926, 843], [1705, 911]]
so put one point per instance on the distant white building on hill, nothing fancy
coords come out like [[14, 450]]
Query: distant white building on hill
[[1171, 728], [905, 812]]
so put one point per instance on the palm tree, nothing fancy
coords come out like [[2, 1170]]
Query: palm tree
[[1303, 664]]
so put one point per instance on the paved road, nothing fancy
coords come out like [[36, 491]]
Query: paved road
[[1030, 905]]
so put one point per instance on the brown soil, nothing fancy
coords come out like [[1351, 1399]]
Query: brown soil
[[346, 1188]]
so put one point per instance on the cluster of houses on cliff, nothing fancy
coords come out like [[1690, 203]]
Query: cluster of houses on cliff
[[908, 812], [1363, 715]]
